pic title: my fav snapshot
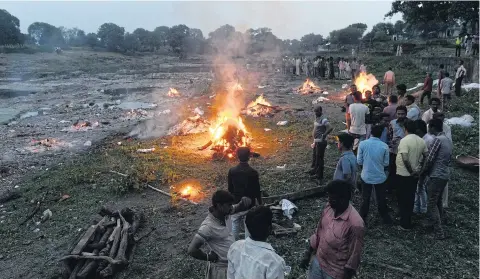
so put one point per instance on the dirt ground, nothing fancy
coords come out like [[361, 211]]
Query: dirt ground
[[43, 95]]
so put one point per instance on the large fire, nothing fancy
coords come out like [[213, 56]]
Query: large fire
[[228, 132], [365, 82], [173, 93], [308, 87]]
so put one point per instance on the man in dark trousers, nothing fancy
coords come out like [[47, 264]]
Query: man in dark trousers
[[461, 72], [243, 181]]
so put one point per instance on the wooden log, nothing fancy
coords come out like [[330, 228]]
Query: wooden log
[[87, 236], [116, 239], [205, 146], [8, 195], [92, 265], [168, 195], [135, 217], [95, 258], [77, 268], [30, 216], [302, 194], [115, 231], [138, 239], [122, 249]]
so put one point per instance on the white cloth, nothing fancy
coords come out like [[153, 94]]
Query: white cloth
[[357, 113], [413, 112], [448, 131], [461, 71], [428, 115], [250, 259]]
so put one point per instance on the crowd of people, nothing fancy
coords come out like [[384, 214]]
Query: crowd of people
[[469, 43], [323, 67]]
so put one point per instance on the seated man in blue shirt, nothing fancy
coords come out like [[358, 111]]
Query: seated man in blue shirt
[[373, 156]]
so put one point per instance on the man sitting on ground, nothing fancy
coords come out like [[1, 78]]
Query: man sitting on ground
[[337, 251], [215, 234], [254, 257], [243, 181]]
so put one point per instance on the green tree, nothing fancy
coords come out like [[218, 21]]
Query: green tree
[[9, 29], [348, 35], [262, 39], [91, 40], [111, 36], [177, 39], [310, 42], [73, 36], [428, 12], [46, 34], [160, 35], [195, 41], [381, 32], [131, 42], [145, 39]]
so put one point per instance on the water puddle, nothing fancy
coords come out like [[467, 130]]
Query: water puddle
[[7, 115], [8, 93], [136, 105]]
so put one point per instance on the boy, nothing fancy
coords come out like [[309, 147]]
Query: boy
[[254, 257], [446, 88], [243, 181], [321, 129], [346, 167]]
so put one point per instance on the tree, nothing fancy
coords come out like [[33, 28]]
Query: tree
[[111, 36], [73, 36], [131, 42], [348, 35], [46, 34], [262, 39], [310, 42], [195, 41], [145, 38], [177, 39], [91, 40], [9, 29], [399, 27], [381, 32], [160, 35], [427, 12]]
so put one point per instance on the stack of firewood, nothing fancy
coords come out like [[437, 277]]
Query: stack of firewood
[[105, 247]]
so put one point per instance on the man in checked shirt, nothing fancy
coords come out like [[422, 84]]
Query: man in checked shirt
[[437, 166]]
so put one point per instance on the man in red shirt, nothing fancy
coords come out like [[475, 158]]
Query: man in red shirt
[[338, 240], [427, 88]]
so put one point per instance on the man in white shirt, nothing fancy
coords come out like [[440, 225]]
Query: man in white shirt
[[356, 119], [253, 258], [461, 73], [434, 105], [413, 111]]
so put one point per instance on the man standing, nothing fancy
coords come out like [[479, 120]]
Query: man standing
[[348, 101], [243, 181], [297, 66], [413, 111], [346, 169], [396, 133], [214, 233], [402, 91], [372, 104], [446, 88], [356, 120], [354, 68], [411, 150], [447, 130], [391, 109], [338, 239], [389, 81], [434, 105], [254, 257], [331, 70], [461, 72], [475, 44], [373, 156], [441, 75], [438, 168], [458, 46], [321, 129], [427, 88]]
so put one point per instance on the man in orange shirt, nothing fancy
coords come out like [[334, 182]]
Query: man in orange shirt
[[389, 81]]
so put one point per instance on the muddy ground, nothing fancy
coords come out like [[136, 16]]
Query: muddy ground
[[43, 94]]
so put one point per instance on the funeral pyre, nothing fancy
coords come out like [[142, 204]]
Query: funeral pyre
[[365, 83], [308, 87], [260, 107], [173, 93], [106, 247]]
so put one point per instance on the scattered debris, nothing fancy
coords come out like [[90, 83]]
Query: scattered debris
[[282, 123], [267, 129], [471, 86], [468, 162], [320, 100], [81, 126], [261, 107], [344, 86], [88, 143], [191, 125], [173, 93], [146, 150], [288, 208], [308, 87], [282, 167], [30, 216], [261, 86], [198, 111], [36, 230], [464, 121], [64, 197], [293, 196], [325, 93]]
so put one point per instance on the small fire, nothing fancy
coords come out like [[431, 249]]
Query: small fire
[[308, 87], [260, 107], [187, 191], [173, 93], [190, 189], [365, 82]]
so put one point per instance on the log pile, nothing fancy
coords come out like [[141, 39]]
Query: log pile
[[105, 248]]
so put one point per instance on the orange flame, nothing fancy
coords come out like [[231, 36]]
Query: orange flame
[[260, 100], [365, 82], [308, 87], [173, 93], [259, 107]]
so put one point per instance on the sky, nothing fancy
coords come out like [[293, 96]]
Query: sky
[[288, 20]]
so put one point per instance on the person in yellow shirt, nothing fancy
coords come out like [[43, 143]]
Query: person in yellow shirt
[[458, 46], [411, 152]]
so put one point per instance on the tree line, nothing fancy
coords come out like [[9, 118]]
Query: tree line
[[418, 20]]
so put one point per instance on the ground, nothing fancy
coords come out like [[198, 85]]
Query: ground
[[104, 87]]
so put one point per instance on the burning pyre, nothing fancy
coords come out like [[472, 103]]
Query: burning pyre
[[365, 83], [308, 87], [260, 107], [188, 189], [173, 93], [81, 126]]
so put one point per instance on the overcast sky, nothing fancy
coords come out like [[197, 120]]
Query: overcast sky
[[288, 20]]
